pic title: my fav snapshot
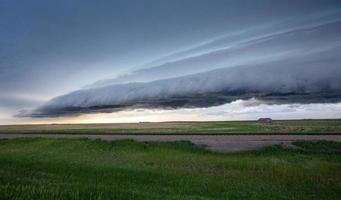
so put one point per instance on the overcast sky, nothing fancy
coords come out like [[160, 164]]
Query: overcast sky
[[64, 60]]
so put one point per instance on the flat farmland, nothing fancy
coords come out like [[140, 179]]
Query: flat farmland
[[317, 127], [41, 168], [295, 159]]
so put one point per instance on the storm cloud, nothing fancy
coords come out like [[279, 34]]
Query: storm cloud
[[255, 46], [286, 81], [64, 59], [300, 65]]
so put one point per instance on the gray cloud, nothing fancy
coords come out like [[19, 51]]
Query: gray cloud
[[309, 77], [254, 46], [49, 48]]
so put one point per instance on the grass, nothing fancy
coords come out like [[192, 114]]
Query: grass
[[215, 127], [94, 169]]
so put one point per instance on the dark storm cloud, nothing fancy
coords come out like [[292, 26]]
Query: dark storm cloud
[[48, 48], [243, 48], [83, 41], [314, 77]]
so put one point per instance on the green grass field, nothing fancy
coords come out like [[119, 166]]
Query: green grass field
[[216, 127], [94, 169]]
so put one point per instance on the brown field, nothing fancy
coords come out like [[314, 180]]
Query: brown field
[[214, 127]]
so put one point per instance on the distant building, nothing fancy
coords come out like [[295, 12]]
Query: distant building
[[264, 120]]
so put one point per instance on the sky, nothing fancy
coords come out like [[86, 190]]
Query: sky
[[159, 60]]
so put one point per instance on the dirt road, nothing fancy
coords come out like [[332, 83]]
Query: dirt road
[[220, 143]]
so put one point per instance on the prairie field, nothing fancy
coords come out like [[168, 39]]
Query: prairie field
[[95, 169], [209, 127]]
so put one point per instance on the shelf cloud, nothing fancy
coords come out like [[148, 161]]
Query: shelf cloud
[[310, 77], [254, 46], [114, 57]]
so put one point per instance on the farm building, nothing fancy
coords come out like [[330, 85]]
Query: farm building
[[264, 120]]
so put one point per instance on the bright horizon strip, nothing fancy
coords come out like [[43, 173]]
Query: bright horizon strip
[[235, 111]]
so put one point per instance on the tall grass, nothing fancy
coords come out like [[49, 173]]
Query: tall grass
[[94, 169]]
